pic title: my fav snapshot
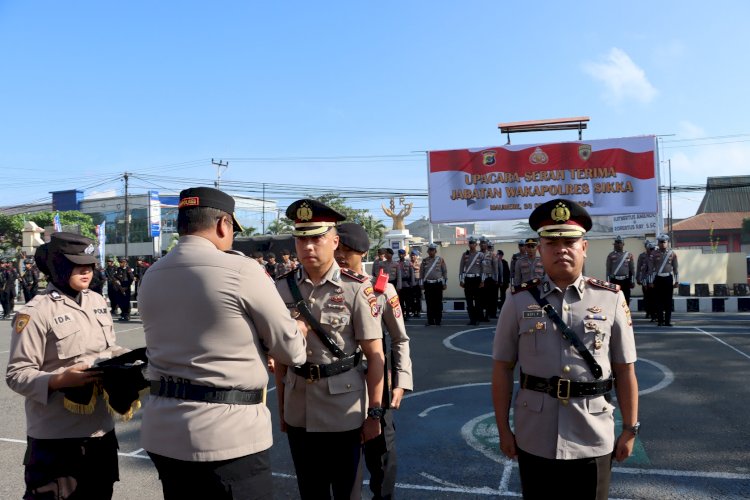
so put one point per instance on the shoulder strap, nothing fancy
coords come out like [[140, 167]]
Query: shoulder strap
[[567, 333], [667, 255], [301, 306], [619, 265]]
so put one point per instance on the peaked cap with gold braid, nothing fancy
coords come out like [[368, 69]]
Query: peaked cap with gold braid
[[312, 218], [560, 218]]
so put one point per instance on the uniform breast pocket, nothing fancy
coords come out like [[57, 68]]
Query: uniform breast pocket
[[351, 381], [595, 336], [105, 321], [531, 334], [335, 321], [68, 341]]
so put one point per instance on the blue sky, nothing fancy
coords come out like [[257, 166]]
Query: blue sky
[[347, 94]]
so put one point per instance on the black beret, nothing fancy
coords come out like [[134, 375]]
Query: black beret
[[312, 218], [354, 236], [209, 197], [560, 218]]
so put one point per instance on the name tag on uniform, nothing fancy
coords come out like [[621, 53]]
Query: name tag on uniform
[[533, 314], [101, 310], [59, 320]]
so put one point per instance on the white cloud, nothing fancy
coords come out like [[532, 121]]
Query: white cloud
[[623, 80]]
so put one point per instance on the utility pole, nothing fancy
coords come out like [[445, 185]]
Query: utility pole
[[669, 201], [219, 165], [127, 215], [263, 211]]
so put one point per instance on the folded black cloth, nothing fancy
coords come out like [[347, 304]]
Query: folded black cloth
[[121, 382]]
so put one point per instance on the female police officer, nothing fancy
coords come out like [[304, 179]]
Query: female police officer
[[72, 448]]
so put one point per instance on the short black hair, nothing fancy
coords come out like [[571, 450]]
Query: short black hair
[[196, 219], [270, 255], [257, 255]]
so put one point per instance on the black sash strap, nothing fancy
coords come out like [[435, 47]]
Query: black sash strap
[[301, 306], [185, 389], [562, 388], [567, 333]]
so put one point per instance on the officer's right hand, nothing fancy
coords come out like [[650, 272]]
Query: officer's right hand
[[302, 327], [75, 376], [508, 444]]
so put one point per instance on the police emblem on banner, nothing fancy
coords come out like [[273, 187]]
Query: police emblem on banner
[[488, 158], [584, 151], [538, 157]]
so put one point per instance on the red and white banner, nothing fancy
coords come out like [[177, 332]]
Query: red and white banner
[[607, 176]]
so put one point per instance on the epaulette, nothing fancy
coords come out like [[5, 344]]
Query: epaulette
[[55, 295], [603, 284], [355, 276], [527, 285]]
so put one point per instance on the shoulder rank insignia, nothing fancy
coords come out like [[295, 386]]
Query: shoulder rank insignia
[[604, 284], [355, 276], [55, 295], [527, 285], [20, 322]]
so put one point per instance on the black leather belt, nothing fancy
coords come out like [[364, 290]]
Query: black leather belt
[[433, 281], [563, 388], [184, 389], [313, 372]]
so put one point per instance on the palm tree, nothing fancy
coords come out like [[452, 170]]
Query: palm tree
[[280, 226]]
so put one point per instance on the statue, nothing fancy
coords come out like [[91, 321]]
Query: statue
[[398, 218]]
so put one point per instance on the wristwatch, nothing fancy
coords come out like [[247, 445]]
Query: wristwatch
[[375, 413], [635, 429]]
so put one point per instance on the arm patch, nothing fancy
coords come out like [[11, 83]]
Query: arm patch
[[604, 284]]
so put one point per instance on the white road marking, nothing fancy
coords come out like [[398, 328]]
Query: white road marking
[[447, 342], [428, 410], [668, 377], [721, 341]]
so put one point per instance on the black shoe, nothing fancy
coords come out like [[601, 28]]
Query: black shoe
[[667, 324], [437, 324], [428, 324]]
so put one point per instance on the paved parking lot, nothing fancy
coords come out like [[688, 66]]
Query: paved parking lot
[[694, 444]]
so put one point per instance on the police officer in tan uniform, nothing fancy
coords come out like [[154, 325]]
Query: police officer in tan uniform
[[434, 280], [380, 453], [528, 266], [470, 279], [488, 300], [328, 406], [514, 258], [209, 316], [564, 432], [621, 268], [664, 276], [72, 449], [390, 268], [643, 279]]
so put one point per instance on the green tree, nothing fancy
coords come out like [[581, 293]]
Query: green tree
[[280, 226], [11, 226], [249, 231]]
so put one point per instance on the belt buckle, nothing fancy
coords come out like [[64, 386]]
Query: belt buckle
[[560, 388], [314, 374]]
